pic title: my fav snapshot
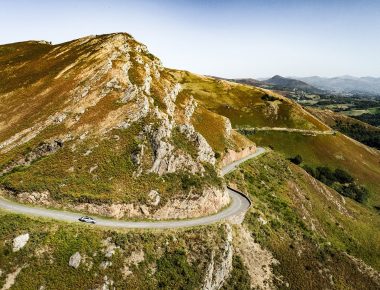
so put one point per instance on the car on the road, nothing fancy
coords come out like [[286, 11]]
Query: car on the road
[[86, 219]]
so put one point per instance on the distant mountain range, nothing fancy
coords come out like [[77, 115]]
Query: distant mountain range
[[345, 84], [318, 85], [280, 83], [292, 84]]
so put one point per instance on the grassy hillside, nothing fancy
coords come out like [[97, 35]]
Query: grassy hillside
[[316, 238], [302, 217], [334, 151], [358, 130], [109, 259], [99, 125], [246, 106], [68, 176], [311, 230]]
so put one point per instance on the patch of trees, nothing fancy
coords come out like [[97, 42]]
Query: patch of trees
[[328, 176], [355, 102], [363, 134], [338, 179], [269, 98], [188, 181], [296, 159], [372, 119]]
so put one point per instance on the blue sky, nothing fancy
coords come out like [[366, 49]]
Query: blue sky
[[256, 38]]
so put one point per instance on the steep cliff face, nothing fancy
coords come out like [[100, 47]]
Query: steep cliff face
[[96, 124], [232, 155], [220, 267]]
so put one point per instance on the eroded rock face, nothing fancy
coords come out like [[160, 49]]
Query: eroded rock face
[[191, 105], [117, 210], [259, 261], [44, 149], [205, 152], [11, 278], [210, 202], [232, 155], [147, 80], [227, 127], [130, 93], [154, 197], [220, 268], [109, 248], [135, 258], [42, 198], [138, 154], [162, 148], [167, 158], [20, 241], [75, 260], [170, 99]]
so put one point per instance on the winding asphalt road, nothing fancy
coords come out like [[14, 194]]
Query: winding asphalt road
[[239, 204], [291, 130]]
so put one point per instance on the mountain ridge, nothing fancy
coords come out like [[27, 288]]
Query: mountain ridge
[[279, 83], [319, 85], [289, 83], [91, 94]]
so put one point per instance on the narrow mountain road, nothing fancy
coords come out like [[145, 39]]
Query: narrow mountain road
[[239, 204], [291, 130]]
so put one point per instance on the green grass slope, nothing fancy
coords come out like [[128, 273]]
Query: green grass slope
[[334, 151], [110, 259], [356, 129], [318, 237], [246, 106]]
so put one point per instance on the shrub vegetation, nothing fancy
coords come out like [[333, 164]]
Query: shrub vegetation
[[340, 180]]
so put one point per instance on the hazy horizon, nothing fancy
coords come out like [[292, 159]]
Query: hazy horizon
[[240, 39]]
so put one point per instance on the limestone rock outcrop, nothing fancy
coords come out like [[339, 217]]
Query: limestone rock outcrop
[[209, 202], [220, 268], [19, 242], [232, 155], [75, 260]]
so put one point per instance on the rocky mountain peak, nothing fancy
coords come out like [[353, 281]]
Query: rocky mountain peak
[[119, 118]]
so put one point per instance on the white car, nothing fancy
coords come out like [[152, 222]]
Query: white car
[[86, 219]]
